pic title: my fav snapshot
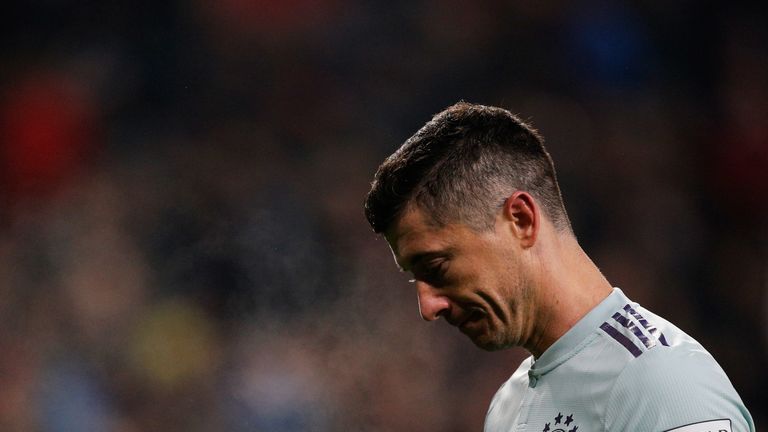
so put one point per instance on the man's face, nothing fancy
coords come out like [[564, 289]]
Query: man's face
[[476, 280]]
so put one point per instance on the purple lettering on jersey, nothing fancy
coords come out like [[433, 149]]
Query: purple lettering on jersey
[[646, 325], [619, 318], [620, 338]]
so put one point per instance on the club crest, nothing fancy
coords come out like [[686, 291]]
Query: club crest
[[561, 423]]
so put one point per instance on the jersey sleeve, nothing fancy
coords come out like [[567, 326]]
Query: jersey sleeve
[[664, 390]]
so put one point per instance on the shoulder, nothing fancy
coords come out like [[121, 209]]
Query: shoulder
[[505, 403], [673, 385]]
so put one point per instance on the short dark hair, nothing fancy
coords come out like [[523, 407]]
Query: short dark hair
[[461, 165]]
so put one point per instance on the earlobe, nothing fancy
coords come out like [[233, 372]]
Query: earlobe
[[522, 213]]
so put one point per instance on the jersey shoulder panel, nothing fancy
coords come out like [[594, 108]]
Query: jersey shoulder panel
[[671, 386]]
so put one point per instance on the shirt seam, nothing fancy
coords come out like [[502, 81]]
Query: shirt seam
[[612, 390], [595, 404]]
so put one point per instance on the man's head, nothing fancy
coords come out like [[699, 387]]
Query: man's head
[[461, 204], [460, 167]]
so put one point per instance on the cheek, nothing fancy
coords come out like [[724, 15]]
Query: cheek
[[511, 291], [507, 279], [516, 274]]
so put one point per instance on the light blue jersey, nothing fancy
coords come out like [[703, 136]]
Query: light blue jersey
[[620, 368]]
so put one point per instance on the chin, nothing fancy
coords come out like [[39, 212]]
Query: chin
[[489, 343]]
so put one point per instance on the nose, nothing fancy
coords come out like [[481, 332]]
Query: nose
[[431, 304]]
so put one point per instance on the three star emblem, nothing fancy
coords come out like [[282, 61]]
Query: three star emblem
[[560, 425]]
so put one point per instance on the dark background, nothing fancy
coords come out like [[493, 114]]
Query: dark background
[[182, 241]]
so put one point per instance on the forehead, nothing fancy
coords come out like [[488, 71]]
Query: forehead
[[415, 235]]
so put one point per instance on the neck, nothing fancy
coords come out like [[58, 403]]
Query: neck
[[569, 285]]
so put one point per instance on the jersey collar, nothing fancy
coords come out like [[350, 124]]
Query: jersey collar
[[579, 335]]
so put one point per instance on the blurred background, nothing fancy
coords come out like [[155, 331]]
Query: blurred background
[[182, 240]]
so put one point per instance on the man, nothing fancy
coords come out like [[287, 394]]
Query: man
[[471, 206]]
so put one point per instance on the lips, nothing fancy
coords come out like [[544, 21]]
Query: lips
[[475, 314]]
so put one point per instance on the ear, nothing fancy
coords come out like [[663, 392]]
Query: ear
[[522, 213]]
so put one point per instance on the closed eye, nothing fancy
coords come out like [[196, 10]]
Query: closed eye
[[433, 272]]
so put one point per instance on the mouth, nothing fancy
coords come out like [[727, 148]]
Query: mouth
[[476, 314]]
